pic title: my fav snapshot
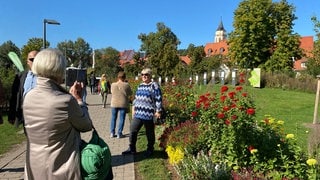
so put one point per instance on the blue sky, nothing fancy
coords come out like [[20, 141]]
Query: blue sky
[[104, 23]]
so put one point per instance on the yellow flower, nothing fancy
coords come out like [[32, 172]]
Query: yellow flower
[[253, 151], [311, 162], [271, 120], [280, 122], [290, 136], [236, 167], [175, 154]]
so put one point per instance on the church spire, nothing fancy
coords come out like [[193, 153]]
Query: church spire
[[221, 33], [220, 27]]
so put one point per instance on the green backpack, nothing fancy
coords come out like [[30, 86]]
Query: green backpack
[[95, 159]]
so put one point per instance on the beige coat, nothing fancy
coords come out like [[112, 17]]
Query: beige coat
[[53, 122], [121, 91]]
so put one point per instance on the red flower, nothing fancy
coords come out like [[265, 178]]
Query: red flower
[[241, 80], [221, 115], [250, 111], [224, 89], [206, 105], [244, 94], [238, 88], [233, 105], [227, 122], [198, 104], [231, 95], [234, 117], [226, 108], [251, 148], [194, 113], [223, 98]]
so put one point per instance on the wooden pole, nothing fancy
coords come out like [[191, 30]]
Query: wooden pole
[[315, 114]]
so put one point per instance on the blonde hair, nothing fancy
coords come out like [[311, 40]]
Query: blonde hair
[[146, 71], [103, 77], [50, 63]]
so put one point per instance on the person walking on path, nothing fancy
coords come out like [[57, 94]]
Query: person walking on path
[[104, 89], [21, 85], [54, 119], [92, 80], [146, 106], [121, 92]]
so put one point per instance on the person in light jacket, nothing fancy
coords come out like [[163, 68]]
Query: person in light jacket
[[121, 92], [54, 119]]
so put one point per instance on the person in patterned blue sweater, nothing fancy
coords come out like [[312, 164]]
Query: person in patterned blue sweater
[[146, 106]]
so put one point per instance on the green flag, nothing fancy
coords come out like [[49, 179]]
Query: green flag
[[16, 61]]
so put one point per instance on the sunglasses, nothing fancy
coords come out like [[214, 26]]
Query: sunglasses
[[144, 74], [31, 59]]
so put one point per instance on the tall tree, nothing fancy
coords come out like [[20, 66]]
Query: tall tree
[[78, 52], [32, 44], [107, 61], [67, 48], [286, 43], [263, 35], [161, 50], [253, 33], [7, 68], [196, 55], [5, 48]]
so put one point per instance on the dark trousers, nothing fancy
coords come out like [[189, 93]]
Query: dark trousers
[[135, 127]]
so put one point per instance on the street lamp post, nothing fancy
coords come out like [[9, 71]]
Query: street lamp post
[[45, 22]]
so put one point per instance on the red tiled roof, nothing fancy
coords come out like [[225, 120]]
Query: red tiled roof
[[216, 48], [126, 57], [306, 43], [185, 59]]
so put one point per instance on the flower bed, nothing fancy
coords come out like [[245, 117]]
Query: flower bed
[[216, 135]]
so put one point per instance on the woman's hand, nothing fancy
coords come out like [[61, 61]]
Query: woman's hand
[[157, 115], [75, 91]]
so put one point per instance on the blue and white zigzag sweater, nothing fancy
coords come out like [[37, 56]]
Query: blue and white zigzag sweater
[[148, 99]]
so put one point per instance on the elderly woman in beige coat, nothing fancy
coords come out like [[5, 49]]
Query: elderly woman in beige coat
[[54, 119]]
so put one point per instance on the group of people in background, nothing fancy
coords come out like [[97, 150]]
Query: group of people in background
[[53, 117]]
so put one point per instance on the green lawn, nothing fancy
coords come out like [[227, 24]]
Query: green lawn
[[294, 108], [9, 135]]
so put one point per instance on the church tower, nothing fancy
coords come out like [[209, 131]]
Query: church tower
[[221, 33]]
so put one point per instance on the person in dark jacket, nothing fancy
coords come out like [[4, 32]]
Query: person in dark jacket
[[22, 83]]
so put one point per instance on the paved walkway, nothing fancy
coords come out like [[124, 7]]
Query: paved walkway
[[12, 164]]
